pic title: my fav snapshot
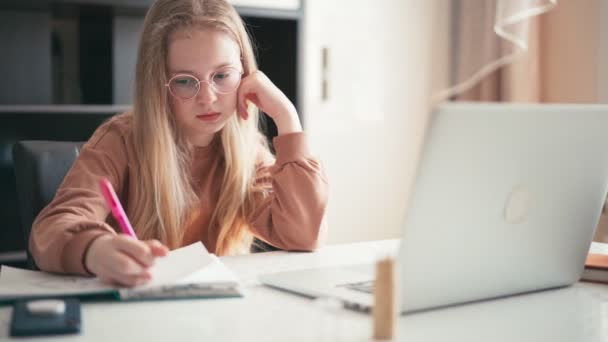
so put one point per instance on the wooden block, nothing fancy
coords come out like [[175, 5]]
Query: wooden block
[[385, 300]]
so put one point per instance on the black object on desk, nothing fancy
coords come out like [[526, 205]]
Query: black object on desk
[[45, 317]]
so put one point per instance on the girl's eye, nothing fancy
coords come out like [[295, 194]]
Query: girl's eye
[[220, 76], [185, 81]]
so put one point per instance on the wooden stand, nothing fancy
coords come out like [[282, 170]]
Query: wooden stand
[[385, 300]]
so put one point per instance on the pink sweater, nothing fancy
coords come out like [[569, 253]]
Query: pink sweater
[[291, 218]]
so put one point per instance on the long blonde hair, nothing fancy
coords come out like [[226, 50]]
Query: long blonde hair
[[165, 197]]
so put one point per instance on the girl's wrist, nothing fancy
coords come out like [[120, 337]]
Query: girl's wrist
[[288, 123], [90, 257]]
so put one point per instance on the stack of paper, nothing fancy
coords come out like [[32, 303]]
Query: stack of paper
[[186, 272], [596, 265]]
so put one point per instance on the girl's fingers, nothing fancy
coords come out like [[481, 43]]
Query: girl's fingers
[[245, 98], [137, 250], [105, 279], [157, 248], [132, 280], [240, 107], [124, 265], [121, 268], [250, 87], [112, 276], [128, 281], [243, 112], [128, 272], [253, 97]]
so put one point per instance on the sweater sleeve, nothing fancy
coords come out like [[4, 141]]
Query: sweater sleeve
[[64, 229], [291, 216]]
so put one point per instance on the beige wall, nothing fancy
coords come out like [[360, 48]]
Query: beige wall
[[575, 56], [441, 51], [602, 231], [570, 52], [603, 55]]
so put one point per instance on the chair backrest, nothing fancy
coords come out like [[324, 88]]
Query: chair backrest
[[54, 123], [40, 167]]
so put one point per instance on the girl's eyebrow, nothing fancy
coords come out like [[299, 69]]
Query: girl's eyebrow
[[183, 71]]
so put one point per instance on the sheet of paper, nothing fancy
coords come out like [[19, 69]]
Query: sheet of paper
[[598, 248], [177, 264], [15, 282], [213, 273], [213, 280]]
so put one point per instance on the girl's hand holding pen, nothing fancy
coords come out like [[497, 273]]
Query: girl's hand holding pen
[[121, 259]]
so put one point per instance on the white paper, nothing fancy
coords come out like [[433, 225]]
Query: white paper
[[598, 248], [215, 279], [215, 272], [177, 265], [15, 282]]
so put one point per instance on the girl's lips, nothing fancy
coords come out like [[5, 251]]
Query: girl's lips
[[208, 116]]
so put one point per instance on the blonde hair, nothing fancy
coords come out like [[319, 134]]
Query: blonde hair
[[164, 197]]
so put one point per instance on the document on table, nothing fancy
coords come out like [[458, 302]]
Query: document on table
[[191, 265]]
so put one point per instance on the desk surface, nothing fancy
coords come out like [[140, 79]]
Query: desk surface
[[578, 313]]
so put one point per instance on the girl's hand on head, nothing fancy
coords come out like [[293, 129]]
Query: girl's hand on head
[[259, 89], [122, 260]]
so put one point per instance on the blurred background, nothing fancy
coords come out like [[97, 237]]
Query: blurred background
[[363, 74]]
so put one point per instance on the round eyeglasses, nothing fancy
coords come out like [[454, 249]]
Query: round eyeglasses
[[186, 87]]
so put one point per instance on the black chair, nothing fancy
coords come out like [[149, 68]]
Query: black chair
[[40, 167], [37, 123]]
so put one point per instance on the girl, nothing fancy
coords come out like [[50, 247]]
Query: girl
[[188, 163]]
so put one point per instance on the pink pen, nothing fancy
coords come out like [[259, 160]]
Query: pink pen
[[114, 204]]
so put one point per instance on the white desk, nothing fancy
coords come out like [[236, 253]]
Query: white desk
[[578, 313]]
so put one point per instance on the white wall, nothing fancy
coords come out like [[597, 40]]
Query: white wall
[[368, 132]]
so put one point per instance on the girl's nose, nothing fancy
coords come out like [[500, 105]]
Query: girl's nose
[[206, 94]]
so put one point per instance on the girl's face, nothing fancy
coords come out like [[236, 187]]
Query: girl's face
[[213, 58]]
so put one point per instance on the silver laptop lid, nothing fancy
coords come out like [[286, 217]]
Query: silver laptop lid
[[506, 200]]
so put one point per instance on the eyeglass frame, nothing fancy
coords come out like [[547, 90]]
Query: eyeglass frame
[[211, 84]]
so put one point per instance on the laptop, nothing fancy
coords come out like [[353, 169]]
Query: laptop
[[505, 201]]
